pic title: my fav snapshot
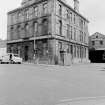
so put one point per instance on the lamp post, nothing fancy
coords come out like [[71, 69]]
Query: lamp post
[[34, 48]]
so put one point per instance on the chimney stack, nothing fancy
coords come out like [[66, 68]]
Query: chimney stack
[[76, 5]]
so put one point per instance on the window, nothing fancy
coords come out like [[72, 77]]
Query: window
[[74, 51], [60, 10], [74, 18], [60, 27], [27, 27], [18, 29], [30, 13], [78, 51], [84, 37], [36, 11], [81, 23], [35, 27], [71, 49], [101, 42], [96, 36], [45, 26], [74, 33], [71, 33], [70, 16], [27, 14], [67, 14], [93, 42], [68, 48], [68, 29], [12, 29], [19, 15], [60, 46], [81, 36], [14, 18], [45, 8], [85, 53]]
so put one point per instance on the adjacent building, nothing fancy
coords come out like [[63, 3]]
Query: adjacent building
[[97, 41], [48, 31], [97, 47]]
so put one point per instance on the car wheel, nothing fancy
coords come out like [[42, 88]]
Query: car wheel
[[2, 62], [19, 62], [14, 62]]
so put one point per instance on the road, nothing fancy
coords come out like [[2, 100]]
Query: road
[[51, 85]]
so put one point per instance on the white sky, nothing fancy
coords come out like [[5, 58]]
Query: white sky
[[91, 9]]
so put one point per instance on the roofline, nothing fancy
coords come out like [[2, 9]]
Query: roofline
[[73, 10], [46, 0], [98, 33], [23, 7]]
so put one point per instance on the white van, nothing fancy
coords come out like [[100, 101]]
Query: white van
[[11, 58]]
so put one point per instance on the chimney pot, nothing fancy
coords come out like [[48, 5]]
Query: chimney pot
[[76, 5]]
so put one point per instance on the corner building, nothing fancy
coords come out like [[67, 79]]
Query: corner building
[[48, 31]]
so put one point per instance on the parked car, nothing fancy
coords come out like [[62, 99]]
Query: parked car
[[11, 58]]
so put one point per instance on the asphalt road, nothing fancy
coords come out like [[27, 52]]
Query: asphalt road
[[50, 85]]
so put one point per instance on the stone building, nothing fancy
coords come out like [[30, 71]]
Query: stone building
[[97, 41], [48, 31], [97, 47]]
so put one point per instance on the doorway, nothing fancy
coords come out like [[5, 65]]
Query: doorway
[[62, 57], [26, 53]]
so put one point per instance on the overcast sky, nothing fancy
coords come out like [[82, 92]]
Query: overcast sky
[[91, 9]]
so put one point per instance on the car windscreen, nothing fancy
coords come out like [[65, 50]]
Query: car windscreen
[[16, 55]]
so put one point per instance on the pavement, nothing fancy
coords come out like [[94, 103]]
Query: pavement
[[32, 84]]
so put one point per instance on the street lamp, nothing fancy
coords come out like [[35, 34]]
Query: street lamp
[[34, 48]]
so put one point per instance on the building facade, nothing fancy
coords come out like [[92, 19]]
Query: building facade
[[48, 31], [97, 48], [97, 41]]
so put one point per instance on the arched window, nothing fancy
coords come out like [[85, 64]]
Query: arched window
[[18, 30], [26, 30], [45, 26]]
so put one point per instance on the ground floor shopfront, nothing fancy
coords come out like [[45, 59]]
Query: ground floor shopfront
[[49, 51]]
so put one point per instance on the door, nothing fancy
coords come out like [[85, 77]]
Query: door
[[62, 57], [26, 53]]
